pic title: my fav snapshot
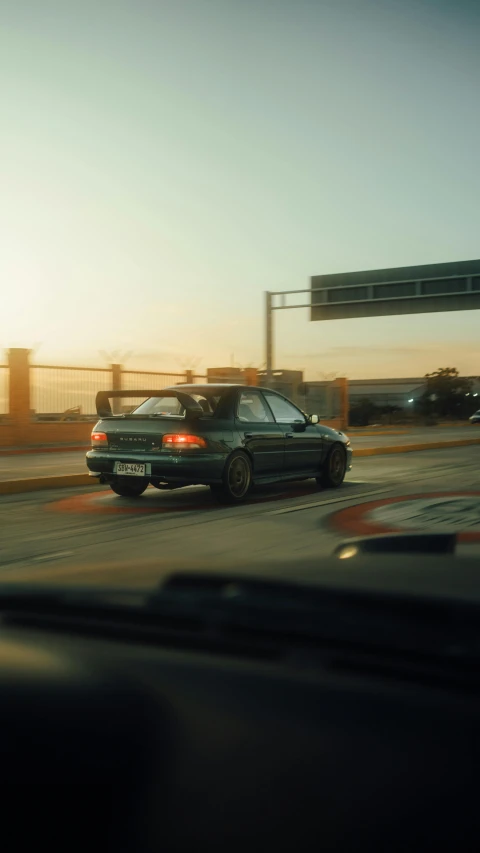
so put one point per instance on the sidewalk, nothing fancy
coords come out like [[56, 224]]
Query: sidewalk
[[40, 450], [42, 464], [37, 471]]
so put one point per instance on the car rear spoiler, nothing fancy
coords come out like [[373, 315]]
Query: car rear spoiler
[[104, 409]]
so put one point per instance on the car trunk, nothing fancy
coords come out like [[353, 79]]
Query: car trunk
[[137, 434]]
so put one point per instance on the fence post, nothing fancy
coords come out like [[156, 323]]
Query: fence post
[[250, 376], [342, 384], [116, 386], [329, 400], [346, 403], [19, 392], [189, 377]]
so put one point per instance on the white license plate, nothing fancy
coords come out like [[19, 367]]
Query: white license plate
[[129, 469]]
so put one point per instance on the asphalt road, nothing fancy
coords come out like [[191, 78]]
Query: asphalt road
[[73, 462], [91, 535]]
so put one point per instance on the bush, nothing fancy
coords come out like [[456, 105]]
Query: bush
[[363, 412]]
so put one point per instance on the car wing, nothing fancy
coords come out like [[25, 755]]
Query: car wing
[[104, 409]]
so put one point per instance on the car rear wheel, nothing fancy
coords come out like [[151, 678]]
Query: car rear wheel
[[334, 469], [237, 479], [129, 488]]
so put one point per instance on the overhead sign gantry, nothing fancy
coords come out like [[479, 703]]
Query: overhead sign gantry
[[381, 293]]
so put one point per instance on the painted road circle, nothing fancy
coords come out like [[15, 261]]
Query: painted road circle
[[448, 512], [191, 499]]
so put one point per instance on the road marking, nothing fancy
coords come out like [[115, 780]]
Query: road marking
[[34, 484], [445, 511], [329, 501], [55, 556], [101, 502]]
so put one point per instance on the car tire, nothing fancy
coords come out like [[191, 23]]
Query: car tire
[[128, 488], [334, 468], [237, 479]]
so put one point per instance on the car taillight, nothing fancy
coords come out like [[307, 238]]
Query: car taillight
[[99, 439], [183, 442]]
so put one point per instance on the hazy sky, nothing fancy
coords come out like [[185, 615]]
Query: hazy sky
[[166, 161]]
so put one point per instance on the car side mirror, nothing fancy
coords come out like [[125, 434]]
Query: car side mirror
[[314, 419]]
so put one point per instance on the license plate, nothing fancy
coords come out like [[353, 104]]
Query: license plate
[[129, 469]]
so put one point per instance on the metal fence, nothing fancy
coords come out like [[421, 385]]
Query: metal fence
[[139, 379], [4, 375], [68, 393], [223, 379], [322, 400], [136, 380], [60, 393], [56, 390], [212, 380]]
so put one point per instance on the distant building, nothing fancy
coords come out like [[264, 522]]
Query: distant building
[[286, 382], [400, 393]]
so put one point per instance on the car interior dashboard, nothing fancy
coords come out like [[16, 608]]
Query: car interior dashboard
[[133, 722]]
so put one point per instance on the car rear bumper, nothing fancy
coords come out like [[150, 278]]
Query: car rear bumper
[[170, 468]]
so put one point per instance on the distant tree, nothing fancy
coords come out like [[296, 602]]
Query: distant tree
[[447, 394]]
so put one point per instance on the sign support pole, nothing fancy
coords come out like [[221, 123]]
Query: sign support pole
[[268, 335]]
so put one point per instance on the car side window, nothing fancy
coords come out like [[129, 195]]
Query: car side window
[[284, 412], [252, 409]]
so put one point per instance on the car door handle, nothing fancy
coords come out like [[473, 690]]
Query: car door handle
[[289, 435], [248, 434]]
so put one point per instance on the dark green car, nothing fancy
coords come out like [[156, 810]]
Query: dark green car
[[225, 436]]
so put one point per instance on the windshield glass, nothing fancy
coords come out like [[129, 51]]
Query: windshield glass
[[270, 207], [239, 271], [171, 407]]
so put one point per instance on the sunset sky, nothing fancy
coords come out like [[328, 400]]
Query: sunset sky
[[164, 162]]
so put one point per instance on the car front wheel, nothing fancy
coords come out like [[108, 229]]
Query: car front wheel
[[128, 488], [237, 479], [334, 469]]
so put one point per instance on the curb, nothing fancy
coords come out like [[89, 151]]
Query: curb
[[412, 448], [359, 434], [25, 451], [404, 429], [36, 484], [65, 481]]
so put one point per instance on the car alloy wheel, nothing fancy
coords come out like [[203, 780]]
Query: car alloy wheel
[[237, 479], [239, 476], [335, 468], [337, 465]]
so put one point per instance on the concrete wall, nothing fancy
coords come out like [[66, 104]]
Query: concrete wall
[[56, 434]]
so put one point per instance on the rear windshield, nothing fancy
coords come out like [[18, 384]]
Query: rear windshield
[[170, 407]]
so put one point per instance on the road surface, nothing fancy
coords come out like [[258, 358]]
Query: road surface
[[91, 535]]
